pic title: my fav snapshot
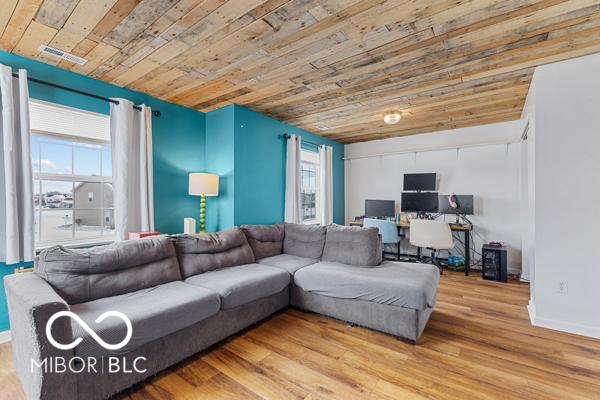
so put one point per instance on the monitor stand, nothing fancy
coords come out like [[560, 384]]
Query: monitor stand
[[460, 218], [423, 215]]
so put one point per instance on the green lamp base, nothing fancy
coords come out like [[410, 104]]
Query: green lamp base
[[202, 214]]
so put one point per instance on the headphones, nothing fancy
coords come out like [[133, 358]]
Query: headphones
[[452, 201]]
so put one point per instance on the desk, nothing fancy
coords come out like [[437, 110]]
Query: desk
[[465, 228]]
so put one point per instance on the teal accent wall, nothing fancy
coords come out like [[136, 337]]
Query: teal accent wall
[[242, 146], [178, 141], [260, 156], [178, 135], [256, 189], [4, 324], [4, 271], [220, 139]]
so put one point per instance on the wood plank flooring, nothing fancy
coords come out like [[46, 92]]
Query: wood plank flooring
[[479, 344]]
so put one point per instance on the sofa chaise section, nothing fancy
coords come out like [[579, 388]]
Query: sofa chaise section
[[397, 284], [402, 322], [391, 297], [395, 298]]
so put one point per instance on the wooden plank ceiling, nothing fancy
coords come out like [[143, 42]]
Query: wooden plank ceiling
[[332, 67]]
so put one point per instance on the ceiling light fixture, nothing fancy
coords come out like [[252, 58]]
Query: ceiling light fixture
[[391, 117]]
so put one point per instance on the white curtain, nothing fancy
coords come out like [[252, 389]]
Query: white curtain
[[293, 201], [131, 145], [16, 181], [326, 184]]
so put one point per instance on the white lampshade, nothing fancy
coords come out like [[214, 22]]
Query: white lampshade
[[204, 184]]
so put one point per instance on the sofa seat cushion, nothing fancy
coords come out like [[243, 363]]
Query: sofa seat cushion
[[400, 284], [154, 313], [242, 284], [288, 262]]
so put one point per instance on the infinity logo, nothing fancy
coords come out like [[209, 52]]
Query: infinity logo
[[89, 330]]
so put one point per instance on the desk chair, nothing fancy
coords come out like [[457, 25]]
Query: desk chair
[[431, 234], [388, 231]]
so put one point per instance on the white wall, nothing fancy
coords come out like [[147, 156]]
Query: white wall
[[566, 195], [490, 172], [528, 188]]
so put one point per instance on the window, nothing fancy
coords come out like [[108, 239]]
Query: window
[[72, 172], [309, 170]]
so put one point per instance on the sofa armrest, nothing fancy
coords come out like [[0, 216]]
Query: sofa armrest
[[31, 303]]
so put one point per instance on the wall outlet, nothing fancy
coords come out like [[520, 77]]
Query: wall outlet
[[563, 287]]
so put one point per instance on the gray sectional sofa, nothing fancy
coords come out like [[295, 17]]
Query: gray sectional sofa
[[185, 293]]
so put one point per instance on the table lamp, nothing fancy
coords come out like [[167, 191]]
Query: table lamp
[[202, 184]]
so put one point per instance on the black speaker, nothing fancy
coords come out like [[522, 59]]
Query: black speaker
[[494, 265]]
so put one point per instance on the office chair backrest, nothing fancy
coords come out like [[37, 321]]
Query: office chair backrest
[[431, 233], [387, 229]]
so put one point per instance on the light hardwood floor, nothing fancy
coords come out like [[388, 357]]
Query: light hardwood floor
[[478, 345]]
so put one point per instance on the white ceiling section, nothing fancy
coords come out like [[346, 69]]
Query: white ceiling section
[[68, 121]]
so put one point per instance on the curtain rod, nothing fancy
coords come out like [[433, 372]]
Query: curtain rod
[[156, 113], [429, 149], [286, 136]]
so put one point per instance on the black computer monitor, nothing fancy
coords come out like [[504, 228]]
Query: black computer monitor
[[380, 208], [419, 202], [464, 203], [419, 182]]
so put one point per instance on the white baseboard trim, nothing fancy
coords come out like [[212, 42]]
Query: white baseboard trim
[[563, 326], [531, 311], [4, 337]]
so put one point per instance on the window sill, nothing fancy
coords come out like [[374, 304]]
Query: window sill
[[310, 222], [75, 244]]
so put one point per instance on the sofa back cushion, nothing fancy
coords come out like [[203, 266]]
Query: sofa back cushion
[[304, 240], [209, 251], [265, 240], [82, 275], [353, 245]]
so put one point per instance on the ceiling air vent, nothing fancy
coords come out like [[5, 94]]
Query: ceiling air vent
[[61, 54]]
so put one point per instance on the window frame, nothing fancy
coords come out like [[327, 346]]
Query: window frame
[[39, 177], [312, 158]]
